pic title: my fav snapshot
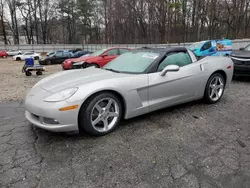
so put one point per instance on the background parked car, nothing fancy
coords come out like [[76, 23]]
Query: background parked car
[[25, 55], [241, 59], [14, 52], [3, 54], [52, 53], [97, 59], [80, 53], [75, 50], [56, 58], [212, 48]]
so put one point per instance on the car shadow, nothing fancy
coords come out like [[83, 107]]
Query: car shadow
[[242, 78], [124, 124]]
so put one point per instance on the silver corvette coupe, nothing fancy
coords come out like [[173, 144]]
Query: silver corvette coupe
[[94, 100]]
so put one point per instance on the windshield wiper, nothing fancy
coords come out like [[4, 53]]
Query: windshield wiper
[[112, 70]]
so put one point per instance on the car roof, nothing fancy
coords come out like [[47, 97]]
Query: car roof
[[117, 47], [160, 50]]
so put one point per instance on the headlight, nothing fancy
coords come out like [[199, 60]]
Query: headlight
[[79, 63], [61, 95]]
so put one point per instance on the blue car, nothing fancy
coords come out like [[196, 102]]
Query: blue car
[[80, 54], [221, 47]]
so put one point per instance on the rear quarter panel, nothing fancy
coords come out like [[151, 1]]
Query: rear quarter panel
[[213, 64]]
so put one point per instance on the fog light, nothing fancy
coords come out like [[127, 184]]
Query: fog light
[[48, 121]]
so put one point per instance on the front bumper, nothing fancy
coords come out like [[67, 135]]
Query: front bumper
[[37, 111], [241, 68]]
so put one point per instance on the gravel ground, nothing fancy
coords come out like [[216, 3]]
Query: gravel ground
[[14, 83]]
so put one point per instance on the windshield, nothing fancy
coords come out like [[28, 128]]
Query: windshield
[[247, 48], [132, 62], [196, 45], [99, 52]]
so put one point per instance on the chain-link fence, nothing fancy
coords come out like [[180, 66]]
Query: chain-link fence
[[94, 47]]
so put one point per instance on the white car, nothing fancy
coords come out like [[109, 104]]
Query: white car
[[14, 52], [25, 55]]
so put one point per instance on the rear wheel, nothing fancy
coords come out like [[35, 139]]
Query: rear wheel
[[101, 114], [215, 88], [18, 59]]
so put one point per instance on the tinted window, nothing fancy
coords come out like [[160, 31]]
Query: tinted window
[[66, 54], [59, 54], [122, 51], [112, 52], [28, 53], [181, 59], [206, 46]]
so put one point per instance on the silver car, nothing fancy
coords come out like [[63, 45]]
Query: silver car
[[138, 82]]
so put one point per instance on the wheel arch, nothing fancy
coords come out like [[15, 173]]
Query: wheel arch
[[222, 72], [116, 93]]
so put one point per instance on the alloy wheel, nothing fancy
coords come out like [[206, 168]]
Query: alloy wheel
[[105, 114], [216, 88]]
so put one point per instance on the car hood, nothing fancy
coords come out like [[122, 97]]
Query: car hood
[[241, 54], [75, 78], [87, 59]]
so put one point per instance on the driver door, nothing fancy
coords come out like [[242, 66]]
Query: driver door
[[175, 87]]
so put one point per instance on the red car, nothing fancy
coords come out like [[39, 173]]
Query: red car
[[3, 54], [97, 59]]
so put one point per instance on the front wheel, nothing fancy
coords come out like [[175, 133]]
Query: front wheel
[[214, 89], [101, 114], [92, 65]]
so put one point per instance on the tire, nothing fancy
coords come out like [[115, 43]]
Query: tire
[[28, 73], [89, 114], [48, 62], [18, 59], [214, 89], [38, 73], [92, 65]]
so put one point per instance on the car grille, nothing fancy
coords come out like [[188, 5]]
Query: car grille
[[239, 62]]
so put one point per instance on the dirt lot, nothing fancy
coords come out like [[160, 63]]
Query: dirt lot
[[189, 146], [14, 83]]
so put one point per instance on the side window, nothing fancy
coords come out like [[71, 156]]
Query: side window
[[59, 54], [181, 59], [122, 51], [66, 54], [206, 46], [28, 53], [112, 52]]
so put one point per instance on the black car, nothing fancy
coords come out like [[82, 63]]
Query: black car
[[241, 59], [80, 53], [56, 58]]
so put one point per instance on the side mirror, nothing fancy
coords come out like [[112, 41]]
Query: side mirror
[[242, 49], [169, 68]]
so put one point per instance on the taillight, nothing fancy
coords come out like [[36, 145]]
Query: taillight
[[229, 67]]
